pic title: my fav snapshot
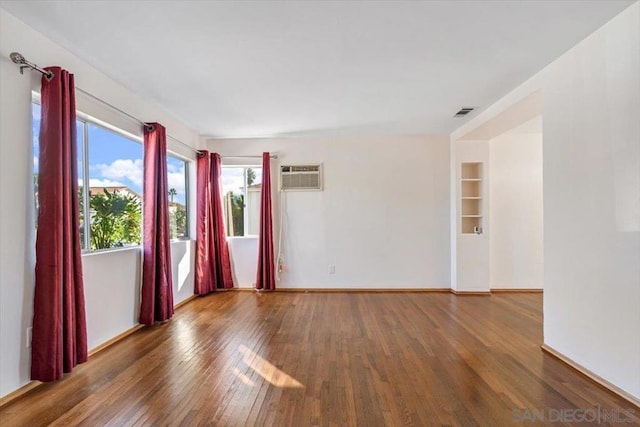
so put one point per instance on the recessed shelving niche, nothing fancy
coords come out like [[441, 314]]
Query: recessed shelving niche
[[471, 175]]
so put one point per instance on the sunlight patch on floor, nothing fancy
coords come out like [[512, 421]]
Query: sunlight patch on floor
[[267, 370], [242, 377]]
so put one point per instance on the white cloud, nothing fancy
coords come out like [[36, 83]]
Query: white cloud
[[174, 168], [36, 162], [122, 168], [232, 179], [114, 173], [94, 182], [176, 179]]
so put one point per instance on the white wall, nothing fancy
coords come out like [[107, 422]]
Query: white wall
[[382, 218], [16, 224], [112, 288], [182, 262], [591, 170], [244, 260], [472, 250], [111, 278], [592, 203], [516, 251], [112, 293]]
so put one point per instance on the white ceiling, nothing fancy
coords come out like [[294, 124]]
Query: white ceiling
[[243, 69]]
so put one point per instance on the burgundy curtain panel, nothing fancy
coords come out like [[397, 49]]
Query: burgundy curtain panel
[[218, 243], [59, 334], [202, 280], [213, 264], [266, 279], [157, 287]]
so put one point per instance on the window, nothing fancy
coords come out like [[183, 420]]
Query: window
[[35, 132], [178, 184], [111, 163], [114, 192], [241, 188]]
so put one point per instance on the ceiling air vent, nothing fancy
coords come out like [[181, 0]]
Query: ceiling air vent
[[464, 111]]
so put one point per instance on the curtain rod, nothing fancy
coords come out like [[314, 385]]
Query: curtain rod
[[133, 118], [17, 58], [272, 156]]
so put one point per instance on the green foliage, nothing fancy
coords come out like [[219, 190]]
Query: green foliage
[[177, 217], [35, 198], [237, 212], [177, 221], [115, 220], [81, 212]]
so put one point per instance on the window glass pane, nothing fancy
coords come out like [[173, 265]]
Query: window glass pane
[[241, 187], [233, 200], [115, 187], [254, 188], [177, 178], [80, 143], [35, 132]]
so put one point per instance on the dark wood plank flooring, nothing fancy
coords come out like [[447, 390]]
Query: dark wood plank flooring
[[301, 359]]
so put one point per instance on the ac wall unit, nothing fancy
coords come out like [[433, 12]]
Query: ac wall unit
[[300, 177]]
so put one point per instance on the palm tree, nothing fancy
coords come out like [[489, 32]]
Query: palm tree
[[115, 220], [251, 176], [172, 193]]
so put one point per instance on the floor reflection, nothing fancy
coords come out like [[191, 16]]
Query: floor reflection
[[267, 370]]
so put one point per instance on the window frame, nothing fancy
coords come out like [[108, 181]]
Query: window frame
[[86, 120], [86, 189], [245, 211], [187, 163]]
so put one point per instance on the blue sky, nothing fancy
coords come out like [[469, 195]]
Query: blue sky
[[233, 178], [113, 159]]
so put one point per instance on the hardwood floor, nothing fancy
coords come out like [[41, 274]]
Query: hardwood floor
[[298, 359]]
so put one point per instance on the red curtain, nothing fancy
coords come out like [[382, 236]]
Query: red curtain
[[203, 225], [221, 261], [59, 335], [157, 286], [213, 265], [266, 279]]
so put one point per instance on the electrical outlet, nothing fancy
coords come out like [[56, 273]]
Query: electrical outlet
[[28, 336], [332, 269]]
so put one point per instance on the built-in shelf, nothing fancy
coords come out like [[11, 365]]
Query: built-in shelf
[[471, 198]]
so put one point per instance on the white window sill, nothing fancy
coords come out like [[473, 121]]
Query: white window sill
[[181, 239], [128, 248], [111, 250]]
